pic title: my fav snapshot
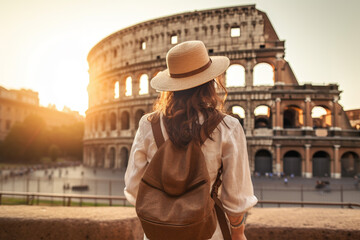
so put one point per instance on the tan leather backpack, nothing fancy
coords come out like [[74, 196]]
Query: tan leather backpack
[[174, 200]]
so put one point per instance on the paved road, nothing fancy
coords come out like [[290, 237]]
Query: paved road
[[110, 182]]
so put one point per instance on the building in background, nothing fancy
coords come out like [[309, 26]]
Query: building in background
[[354, 118], [293, 129], [16, 105]]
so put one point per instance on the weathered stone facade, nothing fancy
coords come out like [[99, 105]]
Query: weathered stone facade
[[285, 136], [354, 118]]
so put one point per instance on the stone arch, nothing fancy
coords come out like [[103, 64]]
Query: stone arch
[[103, 122], [293, 117], [238, 112], [124, 157], [292, 163], [100, 159], [112, 156], [235, 76], [97, 123], [350, 164], [263, 162], [116, 91], [112, 121], [92, 157], [321, 116], [93, 123], [125, 120], [263, 74], [128, 86], [263, 116], [139, 113], [103, 92], [143, 84], [321, 164]]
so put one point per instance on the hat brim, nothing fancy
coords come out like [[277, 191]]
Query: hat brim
[[164, 82]]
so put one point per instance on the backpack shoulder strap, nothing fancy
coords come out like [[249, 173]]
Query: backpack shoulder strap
[[156, 128], [220, 212]]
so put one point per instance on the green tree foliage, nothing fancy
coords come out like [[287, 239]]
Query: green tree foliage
[[54, 152], [29, 141], [69, 139], [26, 142]]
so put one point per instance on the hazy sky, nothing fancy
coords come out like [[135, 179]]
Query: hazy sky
[[44, 43]]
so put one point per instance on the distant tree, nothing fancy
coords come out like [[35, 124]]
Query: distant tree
[[54, 152], [1, 151], [69, 139], [27, 141]]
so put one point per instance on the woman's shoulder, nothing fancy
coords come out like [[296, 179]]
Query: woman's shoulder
[[231, 121], [146, 119], [231, 126]]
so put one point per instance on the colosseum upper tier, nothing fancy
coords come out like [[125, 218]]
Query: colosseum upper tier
[[291, 129]]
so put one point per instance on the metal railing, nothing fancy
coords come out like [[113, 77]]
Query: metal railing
[[302, 204], [67, 199], [32, 198]]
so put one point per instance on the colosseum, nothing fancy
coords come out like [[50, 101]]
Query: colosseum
[[292, 129]]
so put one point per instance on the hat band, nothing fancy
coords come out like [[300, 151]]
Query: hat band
[[188, 74]]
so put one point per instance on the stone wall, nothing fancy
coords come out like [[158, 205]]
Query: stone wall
[[118, 223]]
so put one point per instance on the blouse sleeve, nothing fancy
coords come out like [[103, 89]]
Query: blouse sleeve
[[137, 162], [237, 194]]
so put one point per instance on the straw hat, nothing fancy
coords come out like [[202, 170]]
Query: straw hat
[[189, 65]]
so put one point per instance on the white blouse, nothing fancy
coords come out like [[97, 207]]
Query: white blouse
[[228, 145]]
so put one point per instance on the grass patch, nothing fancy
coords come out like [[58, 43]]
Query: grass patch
[[41, 202]]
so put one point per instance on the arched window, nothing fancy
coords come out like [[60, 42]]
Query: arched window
[[93, 124], [128, 87], [112, 157], [116, 90], [113, 121], [263, 162], [124, 157], [293, 117], [174, 39], [321, 164], [235, 31], [125, 120], [262, 117], [97, 124], [292, 163], [144, 84], [239, 113], [139, 113], [235, 76], [103, 122], [101, 158], [321, 117], [263, 75], [350, 164]]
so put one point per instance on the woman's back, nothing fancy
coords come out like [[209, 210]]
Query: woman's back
[[228, 147], [189, 107]]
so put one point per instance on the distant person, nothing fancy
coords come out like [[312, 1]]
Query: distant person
[[188, 103], [357, 180]]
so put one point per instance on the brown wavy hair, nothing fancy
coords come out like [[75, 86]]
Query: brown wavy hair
[[180, 112]]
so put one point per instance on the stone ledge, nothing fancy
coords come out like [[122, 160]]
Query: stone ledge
[[110, 223]]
